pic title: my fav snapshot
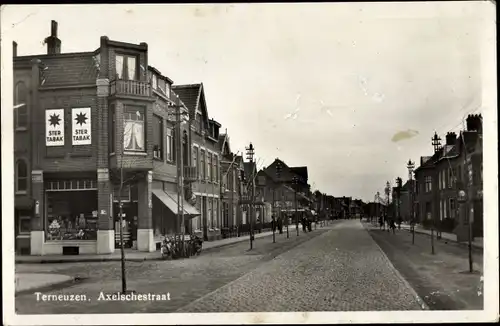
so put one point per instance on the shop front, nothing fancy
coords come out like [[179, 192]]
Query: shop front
[[166, 219], [71, 216], [130, 212]]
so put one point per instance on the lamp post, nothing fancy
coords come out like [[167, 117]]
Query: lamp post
[[399, 184], [411, 167], [387, 194], [250, 154], [295, 182]]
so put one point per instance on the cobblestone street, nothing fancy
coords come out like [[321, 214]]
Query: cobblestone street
[[185, 280], [342, 270], [441, 280]]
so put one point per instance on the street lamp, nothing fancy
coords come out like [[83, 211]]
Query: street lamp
[[279, 168], [387, 193], [399, 184], [411, 166], [295, 182], [250, 151]]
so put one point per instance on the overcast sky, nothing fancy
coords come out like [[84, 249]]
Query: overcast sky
[[352, 91]]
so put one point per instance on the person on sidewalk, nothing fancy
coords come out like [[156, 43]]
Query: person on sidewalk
[[273, 224], [392, 225]]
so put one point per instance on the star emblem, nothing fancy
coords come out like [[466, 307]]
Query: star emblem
[[54, 120], [81, 119]]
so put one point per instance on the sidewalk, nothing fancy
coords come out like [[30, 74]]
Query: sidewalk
[[477, 243], [27, 282], [130, 254]]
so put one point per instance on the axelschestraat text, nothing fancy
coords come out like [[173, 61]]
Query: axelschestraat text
[[133, 297]]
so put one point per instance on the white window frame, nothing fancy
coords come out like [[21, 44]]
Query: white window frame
[[154, 81], [129, 116], [170, 145]]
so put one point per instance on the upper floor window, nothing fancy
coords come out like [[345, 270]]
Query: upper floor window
[[154, 81], [21, 176], [133, 129], [202, 165], [210, 167], [112, 128], [158, 137], [21, 104], [170, 145], [451, 178], [126, 67], [195, 159], [199, 119], [428, 183], [216, 168], [167, 89]]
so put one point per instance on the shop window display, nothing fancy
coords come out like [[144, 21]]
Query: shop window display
[[71, 215]]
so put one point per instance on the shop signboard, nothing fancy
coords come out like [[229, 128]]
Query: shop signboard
[[81, 126], [54, 127]]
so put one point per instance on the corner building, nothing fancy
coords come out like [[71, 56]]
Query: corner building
[[83, 122]]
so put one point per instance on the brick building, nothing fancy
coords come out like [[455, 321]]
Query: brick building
[[204, 155], [440, 177], [84, 122]]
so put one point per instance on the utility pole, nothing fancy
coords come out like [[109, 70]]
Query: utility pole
[[274, 215], [295, 182], [436, 143], [411, 166], [250, 155]]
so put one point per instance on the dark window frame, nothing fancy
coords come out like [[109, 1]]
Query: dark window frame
[[21, 95], [21, 162]]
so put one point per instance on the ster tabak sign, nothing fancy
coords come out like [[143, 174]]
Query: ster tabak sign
[[54, 127], [81, 127]]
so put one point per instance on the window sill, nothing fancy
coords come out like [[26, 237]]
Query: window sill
[[135, 153], [24, 192], [21, 129]]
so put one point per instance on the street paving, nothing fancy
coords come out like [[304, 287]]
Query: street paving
[[341, 270], [441, 280], [186, 280]]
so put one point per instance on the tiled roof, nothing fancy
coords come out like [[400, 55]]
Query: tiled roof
[[189, 94], [73, 69]]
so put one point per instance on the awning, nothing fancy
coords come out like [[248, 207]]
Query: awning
[[169, 199]]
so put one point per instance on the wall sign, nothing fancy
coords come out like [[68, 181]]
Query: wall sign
[[54, 127], [81, 126]]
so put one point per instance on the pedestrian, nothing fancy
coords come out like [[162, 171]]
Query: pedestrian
[[380, 222], [273, 224], [393, 226]]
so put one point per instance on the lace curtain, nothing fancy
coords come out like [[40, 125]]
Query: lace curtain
[[133, 135], [119, 66]]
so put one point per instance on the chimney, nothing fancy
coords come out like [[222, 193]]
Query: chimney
[[451, 138], [14, 49], [474, 122], [53, 43]]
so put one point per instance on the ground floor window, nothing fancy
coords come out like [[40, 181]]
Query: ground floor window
[[23, 222], [71, 215]]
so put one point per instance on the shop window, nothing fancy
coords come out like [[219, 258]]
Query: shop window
[[158, 137], [133, 129], [126, 67], [24, 224], [71, 215], [21, 105], [21, 176]]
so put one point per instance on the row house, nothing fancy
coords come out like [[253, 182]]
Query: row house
[[204, 156], [457, 165], [96, 133], [232, 187], [287, 191]]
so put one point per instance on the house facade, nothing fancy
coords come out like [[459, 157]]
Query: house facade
[[205, 155], [457, 165], [93, 138]]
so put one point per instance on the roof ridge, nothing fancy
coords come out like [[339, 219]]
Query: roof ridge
[[187, 85]]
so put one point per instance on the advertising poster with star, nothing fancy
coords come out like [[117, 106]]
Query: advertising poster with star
[[81, 131], [54, 127]]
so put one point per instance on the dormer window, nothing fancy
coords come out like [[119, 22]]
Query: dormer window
[[167, 89], [154, 81]]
